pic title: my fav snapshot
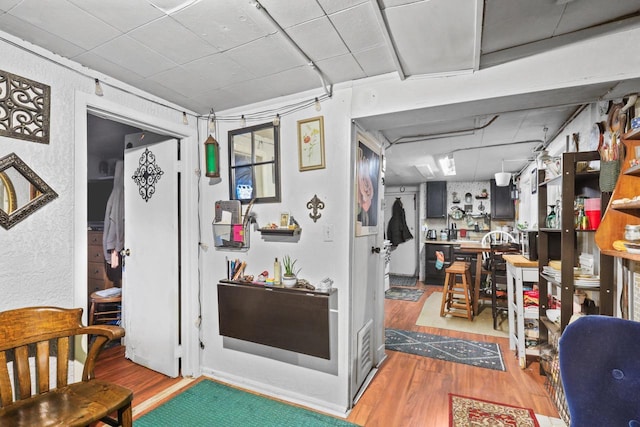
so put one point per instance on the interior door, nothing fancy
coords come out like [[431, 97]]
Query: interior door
[[404, 258], [150, 277]]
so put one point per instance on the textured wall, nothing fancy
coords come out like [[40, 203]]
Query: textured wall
[[37, 254]]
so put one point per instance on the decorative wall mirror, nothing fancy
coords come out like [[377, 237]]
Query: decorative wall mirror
[[22, 191], [254, 164]]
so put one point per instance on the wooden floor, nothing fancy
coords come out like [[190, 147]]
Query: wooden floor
[[407, 391]]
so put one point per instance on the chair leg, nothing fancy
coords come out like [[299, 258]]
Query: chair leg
[[125, 416], [445, 294]]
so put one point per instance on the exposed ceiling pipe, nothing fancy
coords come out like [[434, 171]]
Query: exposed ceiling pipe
[[449, 134], [575, 114], [387, 37], [328, 88]]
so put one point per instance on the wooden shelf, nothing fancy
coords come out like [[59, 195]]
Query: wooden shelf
[[280, 231], [621, 254]]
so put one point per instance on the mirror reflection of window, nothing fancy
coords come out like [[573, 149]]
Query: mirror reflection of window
[[254, 164], [17, 191]]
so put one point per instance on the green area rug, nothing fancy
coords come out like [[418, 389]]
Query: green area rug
[[209, 403]]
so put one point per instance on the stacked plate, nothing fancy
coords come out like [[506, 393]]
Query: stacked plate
[[632, 248]]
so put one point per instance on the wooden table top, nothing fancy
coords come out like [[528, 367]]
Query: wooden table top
[[518, 260]]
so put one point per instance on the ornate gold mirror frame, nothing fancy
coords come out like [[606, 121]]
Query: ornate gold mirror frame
[[40, 192]]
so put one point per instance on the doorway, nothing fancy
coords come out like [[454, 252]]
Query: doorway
[[187, 288], [404, 257]]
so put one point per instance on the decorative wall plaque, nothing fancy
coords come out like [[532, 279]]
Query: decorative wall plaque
[[147, 174], [24, 108]]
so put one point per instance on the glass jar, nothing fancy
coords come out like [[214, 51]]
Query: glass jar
[[632, 233]]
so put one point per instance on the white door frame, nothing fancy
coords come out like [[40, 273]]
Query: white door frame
[[89, 103]]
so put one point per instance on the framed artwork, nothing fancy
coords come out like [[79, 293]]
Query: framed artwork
[[367, 178], [534, 181], [311, 144], [284, 219]]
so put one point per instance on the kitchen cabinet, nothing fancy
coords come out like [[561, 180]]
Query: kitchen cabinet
[[435, 276], [502, 207], [436, 199], [623, 209]]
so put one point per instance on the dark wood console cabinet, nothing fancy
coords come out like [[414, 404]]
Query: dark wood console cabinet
[[290, 319]]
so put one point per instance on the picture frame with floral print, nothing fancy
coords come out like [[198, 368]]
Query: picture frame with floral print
[[311, 144]]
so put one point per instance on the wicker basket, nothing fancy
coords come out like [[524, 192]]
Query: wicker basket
[[609, 172]]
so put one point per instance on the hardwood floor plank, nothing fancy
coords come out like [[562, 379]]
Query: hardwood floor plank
[[408, 390]]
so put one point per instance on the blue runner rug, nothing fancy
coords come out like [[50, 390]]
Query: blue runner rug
[[475, 353], [209, 403]]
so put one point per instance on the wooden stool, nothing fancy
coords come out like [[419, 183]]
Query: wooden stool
[[456, 299], [106, 309]]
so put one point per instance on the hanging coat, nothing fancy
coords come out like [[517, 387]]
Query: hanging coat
[[397, 230], [113, 234]]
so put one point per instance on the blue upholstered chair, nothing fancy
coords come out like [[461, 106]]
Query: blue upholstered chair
[[600, 371]]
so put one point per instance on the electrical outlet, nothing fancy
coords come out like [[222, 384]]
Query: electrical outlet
[[327, 232]]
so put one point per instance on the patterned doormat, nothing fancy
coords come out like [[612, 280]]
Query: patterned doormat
[[403, 294], [398, 280], [474, 353], [465, 412]]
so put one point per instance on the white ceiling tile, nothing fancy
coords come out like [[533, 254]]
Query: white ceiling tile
[[35, 35], [225, 24], [271, 54], [219, 70], [67, 21], [306, 36], [359, 27], [107, 67], [413, 27], [128, 53], [218, 99], [8, 4], [375, 61], [332, 6], [173, 40], [341, 68], [124, 15], [164, 92], [181, 81], [292, 13]]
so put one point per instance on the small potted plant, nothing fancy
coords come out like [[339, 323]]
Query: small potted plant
[[484, 193], [289, 278]]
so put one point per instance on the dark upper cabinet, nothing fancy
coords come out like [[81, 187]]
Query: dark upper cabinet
[[502, 207], [436, 199]]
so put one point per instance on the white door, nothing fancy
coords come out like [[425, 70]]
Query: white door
[[404, 258], [150, 276]]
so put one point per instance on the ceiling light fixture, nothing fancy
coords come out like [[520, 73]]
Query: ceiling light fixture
[[243, 122], [185, 119], [276, 120], [503, 178], [448, 165], [317, 104], [99, 91]]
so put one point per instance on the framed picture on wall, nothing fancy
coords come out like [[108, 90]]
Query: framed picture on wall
[[311, 144], [367, 205]]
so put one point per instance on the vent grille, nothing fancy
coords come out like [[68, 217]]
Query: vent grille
[[365, 352]]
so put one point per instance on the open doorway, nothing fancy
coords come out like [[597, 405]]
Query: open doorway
[[120, 159]]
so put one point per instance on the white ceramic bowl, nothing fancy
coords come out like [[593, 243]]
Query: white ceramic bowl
[[553, 314]]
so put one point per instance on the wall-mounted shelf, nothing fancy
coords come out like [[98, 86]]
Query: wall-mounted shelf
[[280, 231]]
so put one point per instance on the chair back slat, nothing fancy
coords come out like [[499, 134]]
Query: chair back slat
[[42, 366], [62, 373], [23, 373], [6, 391]]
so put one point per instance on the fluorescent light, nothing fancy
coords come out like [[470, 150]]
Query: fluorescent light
[[448, 165]]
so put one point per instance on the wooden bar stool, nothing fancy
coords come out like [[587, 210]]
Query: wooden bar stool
[[456, 297], [105, 309]]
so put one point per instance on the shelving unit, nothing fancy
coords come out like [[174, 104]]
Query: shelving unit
[[574, 182], [620, 214]]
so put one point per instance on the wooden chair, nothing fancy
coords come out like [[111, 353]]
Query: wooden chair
[[28, 395], [498, 269]]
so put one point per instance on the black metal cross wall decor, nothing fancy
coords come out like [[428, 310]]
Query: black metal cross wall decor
[[147, 174]]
